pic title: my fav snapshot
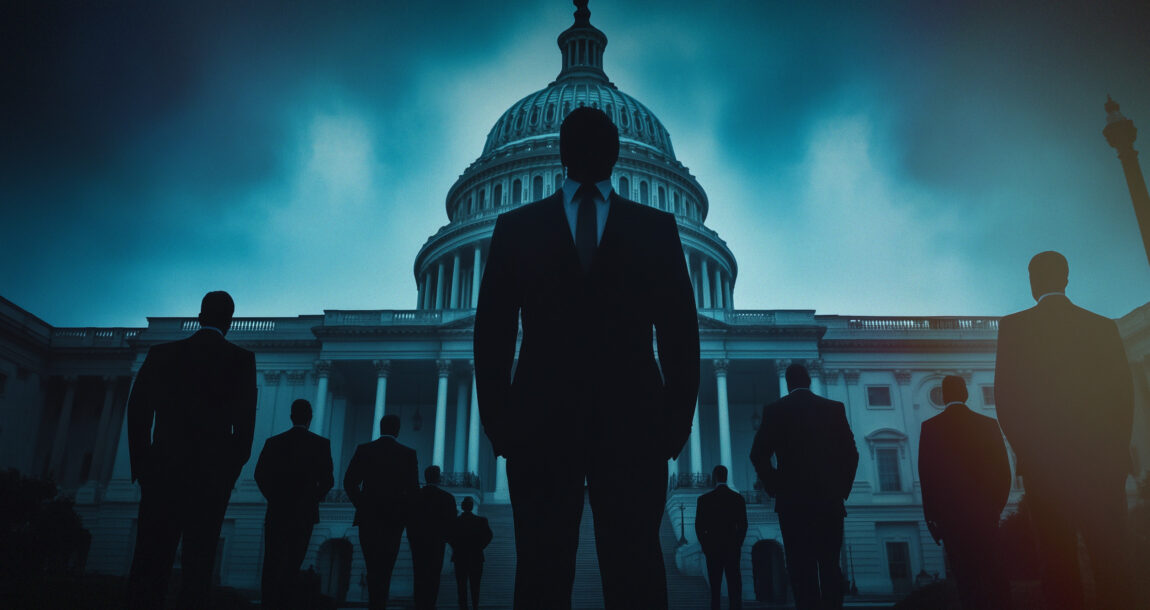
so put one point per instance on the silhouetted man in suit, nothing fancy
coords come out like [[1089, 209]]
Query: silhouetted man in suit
[[431, 520], [721, 526], [200, 392], [1065, 400], [590, 273], [381, 481], [294, 473], [470, 534], [816, 455], [965, 477]]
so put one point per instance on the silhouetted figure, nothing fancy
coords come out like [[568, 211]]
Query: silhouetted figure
[[721, 526], [815, 450], [591, 273], [201, 394], [469, 535], [294, 473], [965, 477], [431, 519], [1065, 399], [381, 481]]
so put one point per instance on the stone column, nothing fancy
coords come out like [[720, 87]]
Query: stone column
[[501, 493], [455, 283], [850, 378], [815, 368], [459, 458], [696, 442], [439, 447], [719, 300], [727, 300], [781, 368], [319, 407], [703, 276], [439, 286], [60, 440], [102, 429], [473, 427], [476, 277], [382, 371], [724, 413]]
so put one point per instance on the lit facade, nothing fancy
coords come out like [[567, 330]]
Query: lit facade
[[63, 390]]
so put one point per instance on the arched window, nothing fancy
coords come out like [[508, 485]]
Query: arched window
[[625, 187], [482, 199], [638, 122], [471, 205], [624, 119], [644, 196], [534, 115], [550, 116], [516, 191], [675, 197], [537, 188], [662, 198], [497, 196], [558, 181]]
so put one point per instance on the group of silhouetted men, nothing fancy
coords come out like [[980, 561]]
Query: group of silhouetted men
[[585, 283]]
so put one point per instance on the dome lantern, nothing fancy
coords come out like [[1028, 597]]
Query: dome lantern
[[582, 45]]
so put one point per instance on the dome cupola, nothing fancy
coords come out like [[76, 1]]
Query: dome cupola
[[582, 45]]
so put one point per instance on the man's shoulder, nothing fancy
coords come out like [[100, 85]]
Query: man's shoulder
[[644, 214], [529, 213]]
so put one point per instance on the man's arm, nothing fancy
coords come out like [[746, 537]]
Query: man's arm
[[1117, 419], [487, 535], [702, 530], [741, 520], [1000, 467], [244, 412], [263, 475], [847, 448], [1010, 391], [928, 478], [496, 330], [353, 478], [677, 336], [141, 412], [762, 448]]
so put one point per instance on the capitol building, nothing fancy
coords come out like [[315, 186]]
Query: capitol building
[[63, 391]]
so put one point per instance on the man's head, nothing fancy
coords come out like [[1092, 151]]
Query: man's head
[[389, 425], [431, 475], [1049, 272], [588, 145], [467, 504], [216, 310], [301, 412], [953, 389], [797, 377], [719, 474]]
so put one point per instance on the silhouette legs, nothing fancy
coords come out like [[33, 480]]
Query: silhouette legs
[[380, 544], [285, 545], [427, 562], [812, 541], [972, 555], [727, 564], [547, 503], [468, 576]]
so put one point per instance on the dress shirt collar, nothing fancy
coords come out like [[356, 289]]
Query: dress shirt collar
[[570, 186], [203, 327], [797, 389], [391, 436], [299, 426], [1060, 293], [955, 402]]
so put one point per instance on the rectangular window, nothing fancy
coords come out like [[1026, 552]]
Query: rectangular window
[[888, 470], [898, 565], [988, 395], [878, 396]]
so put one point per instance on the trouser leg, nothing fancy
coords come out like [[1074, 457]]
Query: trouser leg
[[1058, 551], [547, 503], [204, 517], [157, 536], [715, 579], [380, 544], [1104, 531], [475, 575], [829, 543], [734, 579], [799, 546]]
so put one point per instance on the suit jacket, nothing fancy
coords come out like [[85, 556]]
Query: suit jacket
[[201, 393], [963, 469], [815, 450], [587, 372], [1064, 395], [721, 520], [381, 481], [294, 473], [469, 535], [433, 513]]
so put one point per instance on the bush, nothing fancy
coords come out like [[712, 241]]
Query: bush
[[41, 535]]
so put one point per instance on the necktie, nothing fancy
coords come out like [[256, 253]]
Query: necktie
[[586, 225]]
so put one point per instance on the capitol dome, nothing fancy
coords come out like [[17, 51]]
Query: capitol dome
[[520, 163]]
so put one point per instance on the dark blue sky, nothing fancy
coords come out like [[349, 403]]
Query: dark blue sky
[[860, 157]]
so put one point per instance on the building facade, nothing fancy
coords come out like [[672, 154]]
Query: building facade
[[63, 390]]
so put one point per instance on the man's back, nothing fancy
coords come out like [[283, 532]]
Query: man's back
[[294, 472], [202, 394], [468, 536], [432, 516], [814, 449], [1063, 390], [720, 520], [381, 479], [963, 467]]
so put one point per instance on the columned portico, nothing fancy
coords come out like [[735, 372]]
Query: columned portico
[[703, 277], [473, 426], [319, 407], [456, 284], [781, 369], [725, 457], [443, 367], [459, 454], [439, 286], [103, 428], [476, 277], [696, 442], [382, 371], [60, 442]]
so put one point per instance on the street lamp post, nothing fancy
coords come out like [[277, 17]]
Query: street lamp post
[[682, 525], [1120, 133]]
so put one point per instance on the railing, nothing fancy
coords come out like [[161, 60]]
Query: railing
[[338, 496], [691, 480], [393, 317], [468, 480], [240, 325], [758, 497], [922, 323], [85, 337]]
